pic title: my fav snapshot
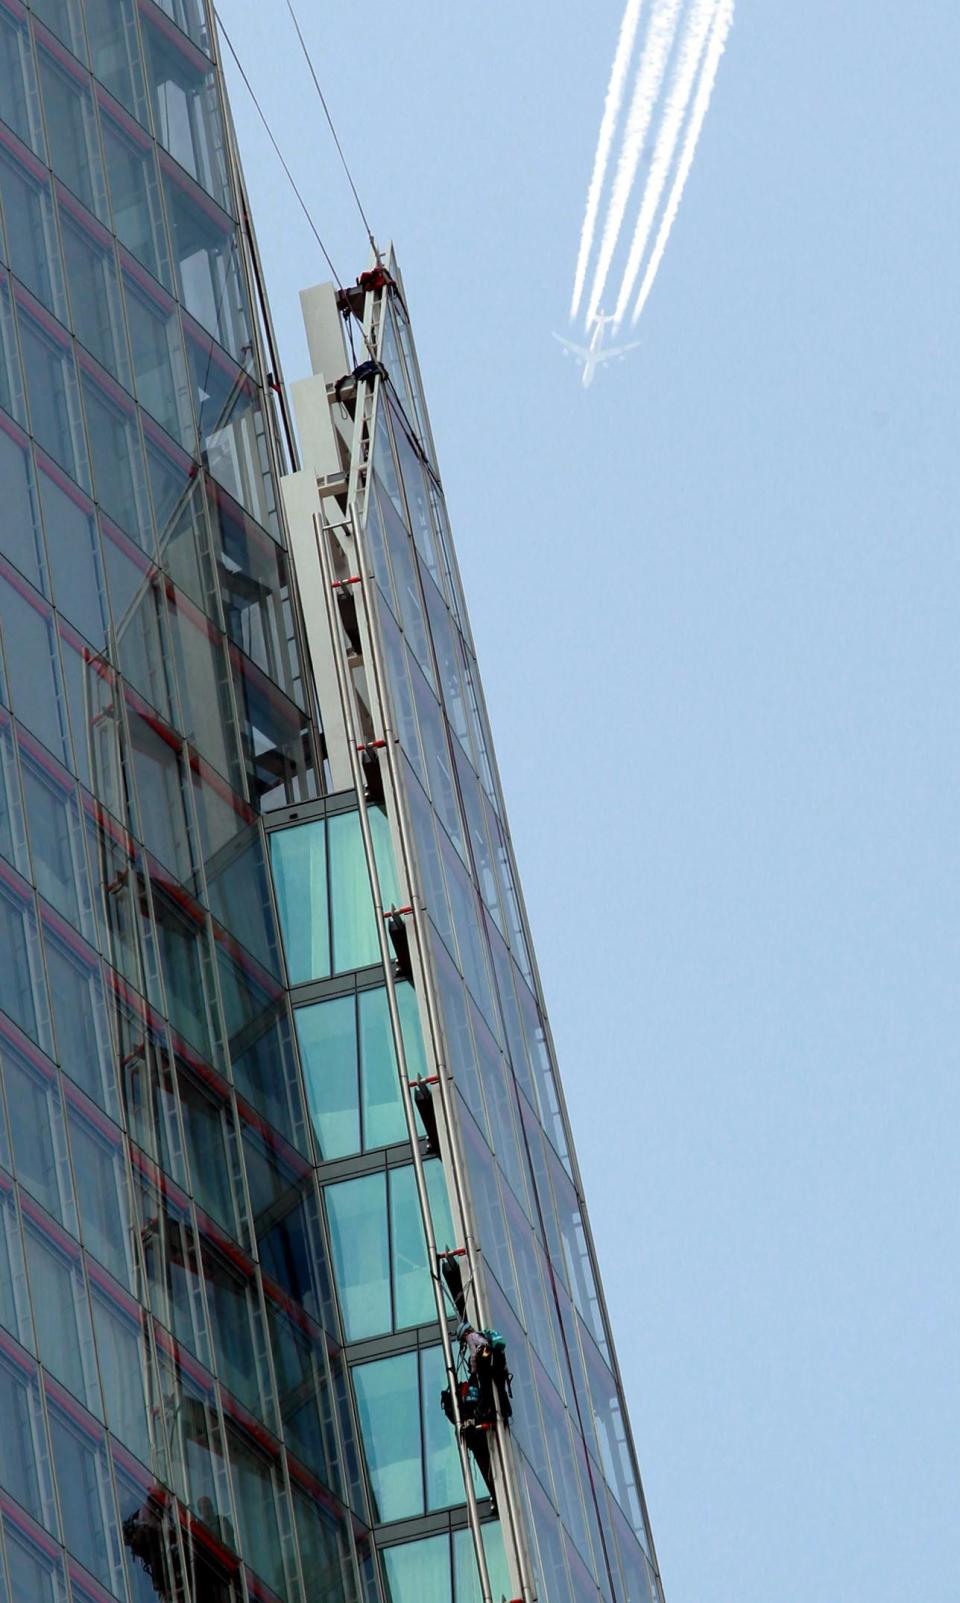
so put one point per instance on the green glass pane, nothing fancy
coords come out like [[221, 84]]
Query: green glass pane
[[328, 1047], [412, 1036], [466, 1580], [357, 1214], [411, 1278], [388, 1405], [299, 859], [418, 1572], [440, 1456], [439, 1204], [355, 942], [383, 1117], [383, 851]]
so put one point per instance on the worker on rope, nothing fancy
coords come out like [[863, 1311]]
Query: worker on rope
[[473, 1431], [485, 1353]]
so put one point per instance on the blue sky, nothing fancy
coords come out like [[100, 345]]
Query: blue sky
[[715, 600]]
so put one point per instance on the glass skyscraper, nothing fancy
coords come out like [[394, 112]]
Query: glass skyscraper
[[278, 1104]]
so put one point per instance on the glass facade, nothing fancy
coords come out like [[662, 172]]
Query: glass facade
[[507, 1180], [176, 1423], [220, 1353]]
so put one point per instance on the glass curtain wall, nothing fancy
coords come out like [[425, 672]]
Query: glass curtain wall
[[175, 1421], [580, 1487]]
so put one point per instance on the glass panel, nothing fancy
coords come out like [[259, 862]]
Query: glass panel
[[388, 1403], [15, 1313], [466, 1578], [291, 1252], [24, 1454], [207, 261], [357, 1215], [32, 248], [36, 1568], [355, 943], [413, 1293], [90, 1525], [32, 662], [72, 130], [21, 540], [53, 394], [114, 51], [328, 1048], [135, 194], [74, 548], [95, 304], [210, 1142], [117, 455], [418, 1572], [256, 1483], [106, 1224], [18, 81], [64, 1332], [37, 1132], [157, 759], [65, 19], [441, 1458], [236, 1323], [299, 859], [149, 1541], [123, 1353], [12, 398], [252, 576], [56, 839], [158, 361], [183, 93], [383, 1116], [13, 842]]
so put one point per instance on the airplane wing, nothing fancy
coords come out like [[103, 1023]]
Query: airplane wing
[[579, 351], [617, 350]]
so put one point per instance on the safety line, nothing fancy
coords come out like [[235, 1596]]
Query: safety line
[[326, 111], [280, 156]]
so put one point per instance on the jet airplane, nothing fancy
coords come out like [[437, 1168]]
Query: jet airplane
[[593, 356]]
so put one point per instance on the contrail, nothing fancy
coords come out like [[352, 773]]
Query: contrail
[[715, 49], [608, 123], [678, 99], [653, 64]]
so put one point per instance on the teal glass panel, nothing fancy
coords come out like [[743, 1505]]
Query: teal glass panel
[[355, 943], [383, 1117], [440, 1456], [299, 859], [439, 1203], [383, 852], [418, 1572], [388, 1404], [357, 1215], [410, 1029], [466, 1578], [414, 1304], [327, 1033]]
